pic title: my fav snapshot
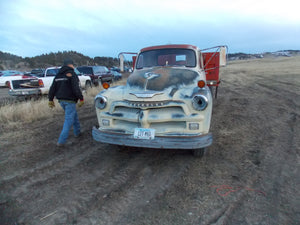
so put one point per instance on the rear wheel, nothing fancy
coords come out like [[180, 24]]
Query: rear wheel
[[199, 152], [88, 85]]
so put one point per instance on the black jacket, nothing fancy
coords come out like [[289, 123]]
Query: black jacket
[[65, 86]]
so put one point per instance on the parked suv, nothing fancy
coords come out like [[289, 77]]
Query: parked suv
[[97, 73]]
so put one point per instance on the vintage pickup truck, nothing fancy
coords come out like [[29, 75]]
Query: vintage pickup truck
[[166, 102], [40, 85]]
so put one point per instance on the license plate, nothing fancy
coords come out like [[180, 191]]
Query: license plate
[[25, 92], [144, 133]]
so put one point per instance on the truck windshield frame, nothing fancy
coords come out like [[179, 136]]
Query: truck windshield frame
[[167, 57]]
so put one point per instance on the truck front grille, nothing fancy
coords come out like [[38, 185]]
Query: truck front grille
[[164, 116]]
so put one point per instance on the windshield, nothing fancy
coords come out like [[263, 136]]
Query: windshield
[[36, 71], [8, 73], [166, 57], [106, 69], [85, 70], [101, 69], [52, 72], [78, 73]]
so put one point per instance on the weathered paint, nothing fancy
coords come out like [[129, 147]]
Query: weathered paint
[[177, 116], [173, 91], [159, 79], [115, 114]]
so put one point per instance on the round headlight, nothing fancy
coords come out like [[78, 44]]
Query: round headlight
[[199, 102], [100, 102]]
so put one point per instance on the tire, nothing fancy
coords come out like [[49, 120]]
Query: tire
[[128, 149], [199, 153], [96, 83], [211, 90], [88, 85]]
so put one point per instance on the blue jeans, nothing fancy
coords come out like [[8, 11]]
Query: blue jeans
[[71, 119]]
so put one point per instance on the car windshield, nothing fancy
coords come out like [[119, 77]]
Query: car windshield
[[85, 70], [105, 69], [52, 72], [166, 57], [35, 71], [101, 69], [77, 72], [7, 73]]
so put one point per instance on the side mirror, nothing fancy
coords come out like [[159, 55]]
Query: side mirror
[[223, 60], [122, 59], [133, 61]]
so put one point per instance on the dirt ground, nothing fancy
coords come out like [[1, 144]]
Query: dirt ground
[[250, 175]]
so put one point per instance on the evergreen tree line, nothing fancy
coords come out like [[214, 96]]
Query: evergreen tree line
[[55, 59]]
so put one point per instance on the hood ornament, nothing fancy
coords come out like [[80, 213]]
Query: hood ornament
[[147, 94], [148, 76]]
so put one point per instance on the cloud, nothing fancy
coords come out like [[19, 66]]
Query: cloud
[[106, 27]]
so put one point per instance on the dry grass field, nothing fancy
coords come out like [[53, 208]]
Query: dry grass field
[[250, 175]]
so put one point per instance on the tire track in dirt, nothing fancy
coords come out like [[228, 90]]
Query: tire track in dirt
[[121, 189], [139, 192], [72, 162], [41, 151], [97, 179], [44, 171], [277, 142]]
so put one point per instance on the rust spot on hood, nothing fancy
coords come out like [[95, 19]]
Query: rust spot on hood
[[158, 79]]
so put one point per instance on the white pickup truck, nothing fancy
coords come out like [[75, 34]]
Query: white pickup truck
[[41, 85]]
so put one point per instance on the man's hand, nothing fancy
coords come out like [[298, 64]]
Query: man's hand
[[81, 103], [51, 104]]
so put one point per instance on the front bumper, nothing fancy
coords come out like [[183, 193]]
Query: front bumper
[[169, 142], [104, 78], [24, 92]]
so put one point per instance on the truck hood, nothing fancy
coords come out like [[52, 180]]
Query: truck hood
[[160, 79], [156, 84]]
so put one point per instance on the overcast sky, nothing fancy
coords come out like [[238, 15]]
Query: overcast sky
[[107, 27]]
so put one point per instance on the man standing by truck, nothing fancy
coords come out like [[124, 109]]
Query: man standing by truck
[[65, 88]]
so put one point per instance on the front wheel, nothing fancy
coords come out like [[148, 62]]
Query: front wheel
[[199, 152], [211, 90]]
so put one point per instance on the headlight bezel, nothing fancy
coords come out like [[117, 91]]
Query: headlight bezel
[[199, 102], [100, 102]]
